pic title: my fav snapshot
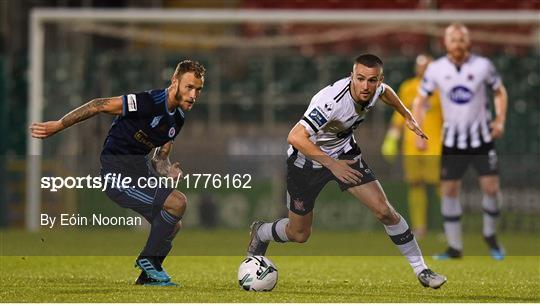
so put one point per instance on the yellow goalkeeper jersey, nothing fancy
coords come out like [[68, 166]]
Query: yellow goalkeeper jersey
[[432, 123]]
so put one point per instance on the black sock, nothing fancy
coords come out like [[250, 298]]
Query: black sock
[[165, 251], [453, 252], [159, 238], [492, 242]]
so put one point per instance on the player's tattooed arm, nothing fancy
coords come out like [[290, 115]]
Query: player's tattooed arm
[[419, 106], [161, 163], [163, 151], [108, 105], [111, 105]]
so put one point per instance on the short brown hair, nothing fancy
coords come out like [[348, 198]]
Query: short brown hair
[[369, 60], [189, 65]]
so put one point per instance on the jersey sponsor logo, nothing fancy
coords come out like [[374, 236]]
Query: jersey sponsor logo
[[172, 132], [142, 137], [132, 102], [155, 121], [460, 95], [317, 117]]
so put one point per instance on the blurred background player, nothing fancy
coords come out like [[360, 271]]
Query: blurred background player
[[323, 149], [462, 79], [144, 121], [420, 165]]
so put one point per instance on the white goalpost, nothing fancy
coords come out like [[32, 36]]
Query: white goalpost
[[84, 17]]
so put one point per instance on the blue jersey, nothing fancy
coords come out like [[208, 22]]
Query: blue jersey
[[145, 123]]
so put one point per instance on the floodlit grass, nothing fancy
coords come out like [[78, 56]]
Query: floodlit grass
[[343, 277]]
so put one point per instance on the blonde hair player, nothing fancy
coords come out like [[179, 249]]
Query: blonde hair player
[[144, 121]]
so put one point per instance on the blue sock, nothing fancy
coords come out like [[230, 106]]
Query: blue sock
[[159, 241]]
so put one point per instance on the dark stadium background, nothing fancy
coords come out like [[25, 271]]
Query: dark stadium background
[[250, 102]]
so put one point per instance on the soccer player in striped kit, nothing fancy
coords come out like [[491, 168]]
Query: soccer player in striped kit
[[323, 148], [468, 133], [144, 121]]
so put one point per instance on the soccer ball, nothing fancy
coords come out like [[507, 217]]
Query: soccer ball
[[257, 273]]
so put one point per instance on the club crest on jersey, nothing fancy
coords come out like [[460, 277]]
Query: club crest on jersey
[[317, 117], [172, 132], [460, 95], [155, 121], [299, 205]]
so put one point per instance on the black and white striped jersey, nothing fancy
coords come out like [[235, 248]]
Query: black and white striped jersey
[[330, 119], [464, 98]]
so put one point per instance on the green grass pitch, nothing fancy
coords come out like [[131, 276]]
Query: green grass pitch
[[332, 267]]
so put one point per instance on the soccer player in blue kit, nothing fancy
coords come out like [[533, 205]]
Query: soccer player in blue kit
[[145, 120]]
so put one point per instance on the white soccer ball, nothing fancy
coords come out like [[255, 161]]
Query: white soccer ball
[[257, 273]]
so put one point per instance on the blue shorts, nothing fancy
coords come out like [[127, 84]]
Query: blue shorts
[[146, 201]]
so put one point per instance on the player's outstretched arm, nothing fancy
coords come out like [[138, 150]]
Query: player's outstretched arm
[[419, 112], [391, 98], [501, 104], [163, 165], [299, 139], [111, 105]]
